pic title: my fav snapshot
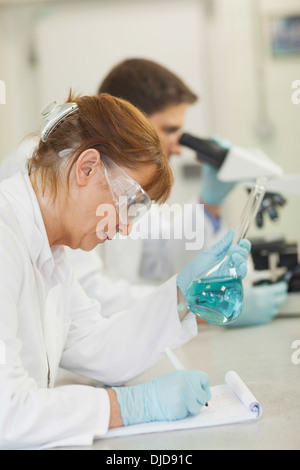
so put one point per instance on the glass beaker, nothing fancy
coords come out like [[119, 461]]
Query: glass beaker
[[218, 298]]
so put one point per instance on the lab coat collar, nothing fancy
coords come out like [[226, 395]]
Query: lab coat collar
[[19, 191]]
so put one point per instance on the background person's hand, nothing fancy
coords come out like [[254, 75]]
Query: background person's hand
[[213, 191], [261, 304]]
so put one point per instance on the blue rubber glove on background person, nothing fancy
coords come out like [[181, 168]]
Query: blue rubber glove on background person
[[166, 398], [213, 191], [261, 304], [209, 258]]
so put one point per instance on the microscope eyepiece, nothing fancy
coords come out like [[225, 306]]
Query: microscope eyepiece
[[208, 151]]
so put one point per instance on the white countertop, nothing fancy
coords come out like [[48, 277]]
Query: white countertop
[[262, 356]]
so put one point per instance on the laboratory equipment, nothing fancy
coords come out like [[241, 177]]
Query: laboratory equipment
[[269, 206], [234, 163], [237, 164], [216, 295], [275, 259]]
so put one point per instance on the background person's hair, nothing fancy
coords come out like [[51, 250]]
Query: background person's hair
[[115, 128], [147, 85]]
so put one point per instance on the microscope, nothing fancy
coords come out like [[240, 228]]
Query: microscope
[[273, 260]]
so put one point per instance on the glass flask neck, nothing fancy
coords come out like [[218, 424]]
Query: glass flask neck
[[225, 268], [251, 209]]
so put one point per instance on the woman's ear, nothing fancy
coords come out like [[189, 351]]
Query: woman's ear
[[86, 165]]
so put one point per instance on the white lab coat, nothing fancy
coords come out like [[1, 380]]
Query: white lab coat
[[47, 321]]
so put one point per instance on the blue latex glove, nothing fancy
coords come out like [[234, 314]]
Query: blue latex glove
[[261, 304], [209, 258], [213, 191], [166, 398]]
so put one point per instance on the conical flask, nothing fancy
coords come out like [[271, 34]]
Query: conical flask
[[216, 295]]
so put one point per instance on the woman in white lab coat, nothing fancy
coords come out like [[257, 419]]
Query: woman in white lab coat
[[46, 319], [86, 180]]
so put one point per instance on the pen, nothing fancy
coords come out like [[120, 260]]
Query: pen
[[175, 361]]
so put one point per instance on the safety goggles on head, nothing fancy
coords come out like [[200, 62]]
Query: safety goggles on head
[[53, 115], [130, 200]]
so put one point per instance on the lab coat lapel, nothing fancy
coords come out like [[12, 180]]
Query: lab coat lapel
[[52, 331], [56, 320]]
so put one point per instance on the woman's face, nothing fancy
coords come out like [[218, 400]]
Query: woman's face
[[95, 218]]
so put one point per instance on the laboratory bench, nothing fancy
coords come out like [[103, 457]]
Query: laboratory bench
[[264, 358]]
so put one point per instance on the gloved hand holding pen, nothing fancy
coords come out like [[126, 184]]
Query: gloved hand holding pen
[[166, 398]]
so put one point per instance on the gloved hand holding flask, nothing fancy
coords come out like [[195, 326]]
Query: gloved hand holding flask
[[207, 259], [212, 282]]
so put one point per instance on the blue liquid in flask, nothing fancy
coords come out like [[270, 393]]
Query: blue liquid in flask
[[216, 300]]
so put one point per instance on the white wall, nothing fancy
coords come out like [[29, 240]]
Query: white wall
[[91, 41], [49, 48], [19, 115], [55, 46], [252, 94]]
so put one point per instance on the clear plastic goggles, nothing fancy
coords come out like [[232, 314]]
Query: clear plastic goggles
[[130, 200]]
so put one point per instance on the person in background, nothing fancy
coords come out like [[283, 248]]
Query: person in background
[[164, 98]]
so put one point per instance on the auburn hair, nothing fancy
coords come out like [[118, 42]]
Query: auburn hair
[[115, 128]]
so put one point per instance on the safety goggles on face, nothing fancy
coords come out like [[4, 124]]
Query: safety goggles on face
[[130, 200]]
